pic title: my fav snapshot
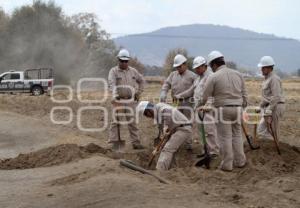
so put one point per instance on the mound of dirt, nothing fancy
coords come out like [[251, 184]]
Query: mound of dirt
[[272, 180], [51, 156], [262, 164], [266, 162]]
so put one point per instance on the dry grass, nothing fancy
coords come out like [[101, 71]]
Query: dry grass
[[41, 106]]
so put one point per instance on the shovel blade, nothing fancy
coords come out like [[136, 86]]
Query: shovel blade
[[118, 146], [205, 161], [251, 143]]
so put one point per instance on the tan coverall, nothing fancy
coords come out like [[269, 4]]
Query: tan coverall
[[209, 121], [272, 99], [176, 122], [132, 78], [179, 83], [227, 87]]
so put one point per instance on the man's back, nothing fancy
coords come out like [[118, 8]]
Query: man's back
[[171, 116], [226, 86]]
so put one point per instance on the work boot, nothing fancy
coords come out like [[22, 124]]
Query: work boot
[[137, 146]]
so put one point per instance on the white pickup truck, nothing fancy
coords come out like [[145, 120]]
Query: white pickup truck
[[35, 81]]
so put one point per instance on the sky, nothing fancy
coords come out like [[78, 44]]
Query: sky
[[121, 17]]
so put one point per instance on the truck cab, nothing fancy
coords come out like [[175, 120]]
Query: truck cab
[[35, 81], [12, 81]]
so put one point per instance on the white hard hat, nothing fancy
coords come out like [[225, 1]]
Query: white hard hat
[[123, 55], [142, 106], [198, 61], [214, 55], [266, 61], [179, 60]]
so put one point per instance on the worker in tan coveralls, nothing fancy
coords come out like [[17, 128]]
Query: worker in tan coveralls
[[179, 81], [227, 87], [196, 90], [126, 85], [171, 121], [272, 99]]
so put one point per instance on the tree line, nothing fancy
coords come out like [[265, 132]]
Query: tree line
[[41, 35]]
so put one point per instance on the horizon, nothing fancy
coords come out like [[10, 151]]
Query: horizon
[[276, 37], [144, 17]]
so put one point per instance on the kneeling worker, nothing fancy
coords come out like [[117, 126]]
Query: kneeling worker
[[173, 122]]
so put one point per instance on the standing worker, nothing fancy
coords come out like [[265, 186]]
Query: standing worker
[[272, 99], [126, 85], [173, 122], [200, 67], [179, 81], [227, 87]]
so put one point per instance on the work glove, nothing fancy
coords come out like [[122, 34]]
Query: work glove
[[136, 97], [166, 130], [205, 108], [268, 112], [115, 100], [257, 110]]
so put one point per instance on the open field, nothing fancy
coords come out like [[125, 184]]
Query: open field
[[59, 167]]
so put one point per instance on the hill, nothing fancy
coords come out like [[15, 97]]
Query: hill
[[241, 46]]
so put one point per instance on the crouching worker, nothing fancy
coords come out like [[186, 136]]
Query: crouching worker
[[174, 123]]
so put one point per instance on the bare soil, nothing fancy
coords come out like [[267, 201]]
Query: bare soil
[[47, 165]]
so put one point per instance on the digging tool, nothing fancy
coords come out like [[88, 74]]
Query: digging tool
[[160, 132], [159, 147], [129, 164], [270, 129], [121, 143], [255, 133], [249, 138], [207, 157]]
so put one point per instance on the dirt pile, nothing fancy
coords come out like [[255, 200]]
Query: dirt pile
[[51, 156], [267, 163], [263, 164], [272, 179]]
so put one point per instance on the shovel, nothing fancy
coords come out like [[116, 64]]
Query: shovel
[[270, 129], [249, 138], [121, 143], [207, 158]]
